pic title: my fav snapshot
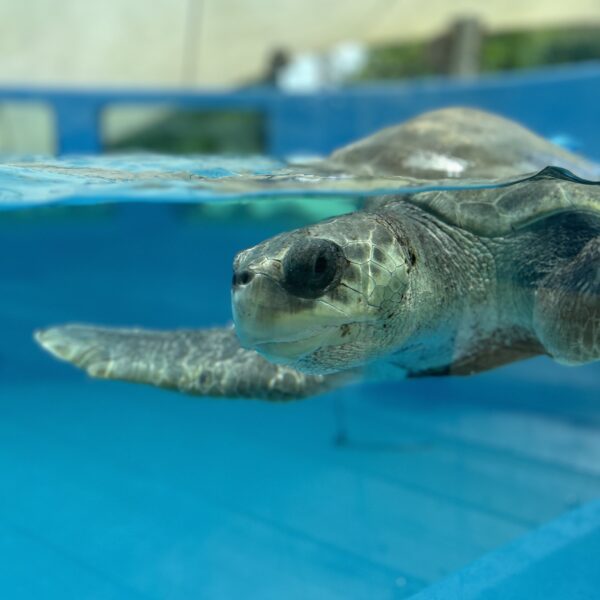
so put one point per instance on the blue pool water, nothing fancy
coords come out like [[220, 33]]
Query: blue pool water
[[482, 487]]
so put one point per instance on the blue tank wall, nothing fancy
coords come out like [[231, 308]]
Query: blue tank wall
[[554, 102]]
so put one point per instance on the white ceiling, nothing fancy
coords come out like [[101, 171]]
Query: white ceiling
[[196, 43]]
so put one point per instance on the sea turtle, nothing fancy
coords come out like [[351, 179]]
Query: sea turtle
[[429, 283]]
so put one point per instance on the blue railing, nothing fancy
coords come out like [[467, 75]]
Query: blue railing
[[554, 102]]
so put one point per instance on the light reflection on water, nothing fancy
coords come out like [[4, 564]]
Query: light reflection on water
[[39, 181]]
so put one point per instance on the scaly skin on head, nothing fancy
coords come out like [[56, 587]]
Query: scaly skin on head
[[365, 312]]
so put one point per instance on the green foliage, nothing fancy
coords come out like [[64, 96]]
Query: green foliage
[[521, 50], [198, 132], [394, 62], [500, 52]]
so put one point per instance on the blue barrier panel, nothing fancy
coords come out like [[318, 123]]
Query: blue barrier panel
[[551, 101]]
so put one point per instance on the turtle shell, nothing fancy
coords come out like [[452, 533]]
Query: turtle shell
[[456, 143], [498, 211]]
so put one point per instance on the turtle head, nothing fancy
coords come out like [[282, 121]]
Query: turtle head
[[322, 298]]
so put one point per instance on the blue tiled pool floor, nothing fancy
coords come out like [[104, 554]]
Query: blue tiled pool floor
[[118, 491]]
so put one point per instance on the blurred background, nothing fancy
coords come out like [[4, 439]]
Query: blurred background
[[296, 47], [111, 490]]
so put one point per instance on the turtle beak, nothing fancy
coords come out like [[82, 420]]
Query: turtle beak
[[262, 310]]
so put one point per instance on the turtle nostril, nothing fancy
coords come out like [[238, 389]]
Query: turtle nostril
[[242, 277]]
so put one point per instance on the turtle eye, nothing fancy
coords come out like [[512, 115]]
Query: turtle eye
[[310, 267]]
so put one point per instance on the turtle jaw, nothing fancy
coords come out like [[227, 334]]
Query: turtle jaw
[[279, 325], [289, 352]]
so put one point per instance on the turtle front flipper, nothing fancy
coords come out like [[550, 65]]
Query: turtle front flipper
[[207, 362], [567, 308]]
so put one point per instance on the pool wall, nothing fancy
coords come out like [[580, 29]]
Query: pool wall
[[555, 102]]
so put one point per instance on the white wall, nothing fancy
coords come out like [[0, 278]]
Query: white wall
[[222, 42]]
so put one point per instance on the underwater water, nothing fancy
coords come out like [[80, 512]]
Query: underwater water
[[112, 490]]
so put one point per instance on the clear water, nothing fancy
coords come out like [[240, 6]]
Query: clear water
[[112, 490], [42, 181]]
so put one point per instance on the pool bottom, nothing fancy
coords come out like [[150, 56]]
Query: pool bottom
[[116, 490], [557, 561]]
